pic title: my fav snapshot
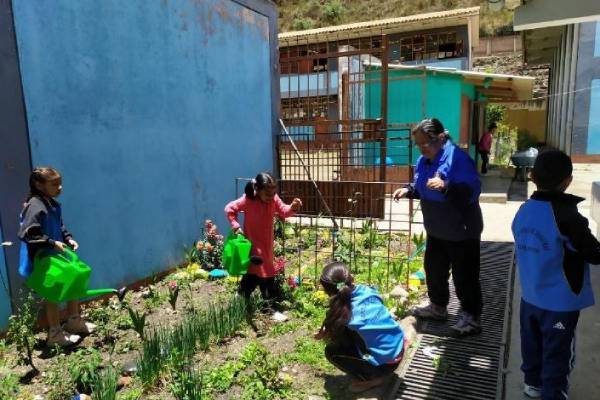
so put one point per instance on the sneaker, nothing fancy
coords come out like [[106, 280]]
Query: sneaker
[[467, 325], [56, 336], [363, 386], [76, 324], [431, 311], [532, 391]]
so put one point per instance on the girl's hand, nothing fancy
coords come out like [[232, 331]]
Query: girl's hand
[[73, 244], [400, 193], [296, 204], [436, 183], [238, 231], [60, 246]]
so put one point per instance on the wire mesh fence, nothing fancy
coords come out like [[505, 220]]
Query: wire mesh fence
[[379, 251]]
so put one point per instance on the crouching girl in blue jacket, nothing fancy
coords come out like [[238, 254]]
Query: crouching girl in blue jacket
[[363, 339]]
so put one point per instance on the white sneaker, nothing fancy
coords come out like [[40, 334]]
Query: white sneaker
[[279, 317], [532, 391], [57, 336], [76, 324]]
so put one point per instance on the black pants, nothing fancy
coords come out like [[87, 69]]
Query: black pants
[[343, 354], [463, 256], [269, 289], [485, 161]]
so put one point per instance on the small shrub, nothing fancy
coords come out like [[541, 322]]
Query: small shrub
[[210, 249], [21, 331], [264, 381], [301, 24], [333, 10], [9, 386]]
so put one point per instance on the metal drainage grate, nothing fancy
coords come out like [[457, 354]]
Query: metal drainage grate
[[466, 368]]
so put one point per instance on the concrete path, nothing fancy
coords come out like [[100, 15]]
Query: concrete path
[[585, 384]]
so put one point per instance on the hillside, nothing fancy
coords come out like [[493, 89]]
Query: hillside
[[306, 14]]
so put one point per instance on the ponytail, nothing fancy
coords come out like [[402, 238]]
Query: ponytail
[[257, 184], [40, 175], [339, 284]]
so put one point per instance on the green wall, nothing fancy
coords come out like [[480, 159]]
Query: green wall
[[443, 101]]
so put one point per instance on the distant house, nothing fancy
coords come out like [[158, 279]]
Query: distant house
[[350, 95], [566, 36], [309, 68]]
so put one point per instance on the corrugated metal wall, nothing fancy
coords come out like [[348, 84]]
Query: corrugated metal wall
[[149, 110]]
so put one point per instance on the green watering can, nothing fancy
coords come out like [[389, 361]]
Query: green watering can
[[62, 276], [236, 254]]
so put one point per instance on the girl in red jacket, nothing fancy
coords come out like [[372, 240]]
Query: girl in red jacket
[[260, 204], [485, 146]]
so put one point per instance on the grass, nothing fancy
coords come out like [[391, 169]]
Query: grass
[[104, 384]]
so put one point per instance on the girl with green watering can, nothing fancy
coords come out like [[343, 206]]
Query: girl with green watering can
[[260, 204], [42, 229]]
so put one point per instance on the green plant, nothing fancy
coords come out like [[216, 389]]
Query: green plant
[[210, 248], [138, 320], [72, 373], [221, 378], [301, 24], [9, 386], [333, 10], [104, 384], [309, 352], [21, 331], [494, 113], [264, 381], [505, 143], [186, 384], [151, 362]]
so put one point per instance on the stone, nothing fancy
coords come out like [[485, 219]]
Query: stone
[[398, 292], [124, 381], [129, 368]]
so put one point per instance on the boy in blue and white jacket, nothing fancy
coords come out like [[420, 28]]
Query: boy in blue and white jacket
[[553, 248]]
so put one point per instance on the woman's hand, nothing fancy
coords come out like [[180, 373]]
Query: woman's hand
[[296, 204], [73, 244], [400, 193], [436, 183], [238, 231], [60, 246]]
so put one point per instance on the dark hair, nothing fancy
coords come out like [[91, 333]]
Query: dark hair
[[257, 184], [339, 284], [40, 175], [433, 128], [492, 126], [550, 169]]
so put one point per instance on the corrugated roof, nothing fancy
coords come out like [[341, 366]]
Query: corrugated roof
[[499, 87], [384, 23]]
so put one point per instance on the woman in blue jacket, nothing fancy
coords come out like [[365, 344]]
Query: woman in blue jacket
[[447, 184], [363, 339]]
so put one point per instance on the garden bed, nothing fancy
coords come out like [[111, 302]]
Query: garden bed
[[208, 343]]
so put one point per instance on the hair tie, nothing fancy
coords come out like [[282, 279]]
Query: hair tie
[[340, 285]]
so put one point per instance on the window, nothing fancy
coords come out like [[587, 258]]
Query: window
[[429, 46]]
